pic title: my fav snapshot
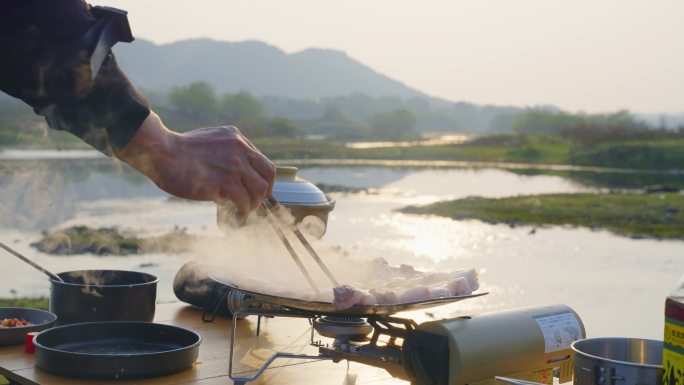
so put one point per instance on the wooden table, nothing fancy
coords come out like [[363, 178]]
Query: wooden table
[[277, 334]]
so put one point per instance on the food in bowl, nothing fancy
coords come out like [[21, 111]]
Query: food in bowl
[[14, 322]]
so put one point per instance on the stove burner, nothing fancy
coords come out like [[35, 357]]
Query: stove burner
[[343, 327]]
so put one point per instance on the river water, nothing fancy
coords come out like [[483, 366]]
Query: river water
[[617, 285]]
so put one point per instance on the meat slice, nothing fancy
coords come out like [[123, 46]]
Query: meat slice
[[440, 292], [459, 286], [414, 294], [387, 297], [463, 282], [346, 296], [398, 289]]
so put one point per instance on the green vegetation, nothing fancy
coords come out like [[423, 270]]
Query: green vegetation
[[354, 113], [510, 148], [536, 136], [651, 154], [197, 105], [615, 140], [36, 303], [615, 181], [521, 148], [636, 215]]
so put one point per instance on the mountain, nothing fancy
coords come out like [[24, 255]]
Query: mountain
[[305, 85], [254, 66], [300, 86]]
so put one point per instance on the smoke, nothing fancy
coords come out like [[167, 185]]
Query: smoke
[[38, 194], [92, 277], [253, 258], [91, 280], [29, 199]]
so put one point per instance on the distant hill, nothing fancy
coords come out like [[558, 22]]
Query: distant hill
[[299, 86], [306, 85], [256, 67]]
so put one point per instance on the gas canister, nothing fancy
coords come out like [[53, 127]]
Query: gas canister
[[673, 346]]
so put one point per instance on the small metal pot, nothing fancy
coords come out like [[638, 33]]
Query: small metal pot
[[103, 295], [618, 361], [306, 202], [613, 361]]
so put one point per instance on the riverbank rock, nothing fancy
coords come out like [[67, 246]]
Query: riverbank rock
[[111, 241], [654, 189]]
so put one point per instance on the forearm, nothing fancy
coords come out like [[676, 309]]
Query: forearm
[[151, 150]]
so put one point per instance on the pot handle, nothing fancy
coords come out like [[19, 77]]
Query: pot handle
[[515, 381]]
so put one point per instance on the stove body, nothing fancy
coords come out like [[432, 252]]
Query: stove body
[[529, 344]]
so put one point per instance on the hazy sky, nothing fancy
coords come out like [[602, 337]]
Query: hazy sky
[[588, 55]]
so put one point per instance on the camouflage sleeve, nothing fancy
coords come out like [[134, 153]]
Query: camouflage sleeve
[[45, 62]]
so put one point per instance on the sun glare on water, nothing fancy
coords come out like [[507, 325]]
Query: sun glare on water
[[433, 238]]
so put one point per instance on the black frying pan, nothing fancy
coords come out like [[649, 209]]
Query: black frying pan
[[116, 349]]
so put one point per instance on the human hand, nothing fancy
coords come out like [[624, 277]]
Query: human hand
[[209, 164]]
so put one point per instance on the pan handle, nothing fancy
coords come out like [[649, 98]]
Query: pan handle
[[205, 317]]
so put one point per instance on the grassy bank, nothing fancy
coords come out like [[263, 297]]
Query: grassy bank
[[546, 150], [651, 155], [614, 181], [661, 154], [654, 154], [658, 216], [535, 149], [37, 303]]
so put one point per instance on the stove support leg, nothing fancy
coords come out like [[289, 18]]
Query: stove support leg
[[242, 380]]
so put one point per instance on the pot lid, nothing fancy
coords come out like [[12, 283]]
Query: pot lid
[[289, 188]]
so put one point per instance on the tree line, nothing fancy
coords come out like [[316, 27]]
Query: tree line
[[355, 117], [197, 104], [591, 129]]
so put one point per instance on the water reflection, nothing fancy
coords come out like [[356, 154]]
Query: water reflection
[[437, 140]]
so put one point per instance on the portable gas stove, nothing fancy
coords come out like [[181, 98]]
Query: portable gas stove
[[529, 344]]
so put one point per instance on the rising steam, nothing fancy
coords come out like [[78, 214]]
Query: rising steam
[[252, 257]]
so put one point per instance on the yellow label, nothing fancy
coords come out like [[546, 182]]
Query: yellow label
[[674, 334], [673, 353], [673, 365]]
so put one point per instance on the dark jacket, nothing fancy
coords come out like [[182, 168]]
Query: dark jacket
[[44, 62]]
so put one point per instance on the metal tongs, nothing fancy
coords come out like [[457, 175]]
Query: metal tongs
[[269, 206]]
